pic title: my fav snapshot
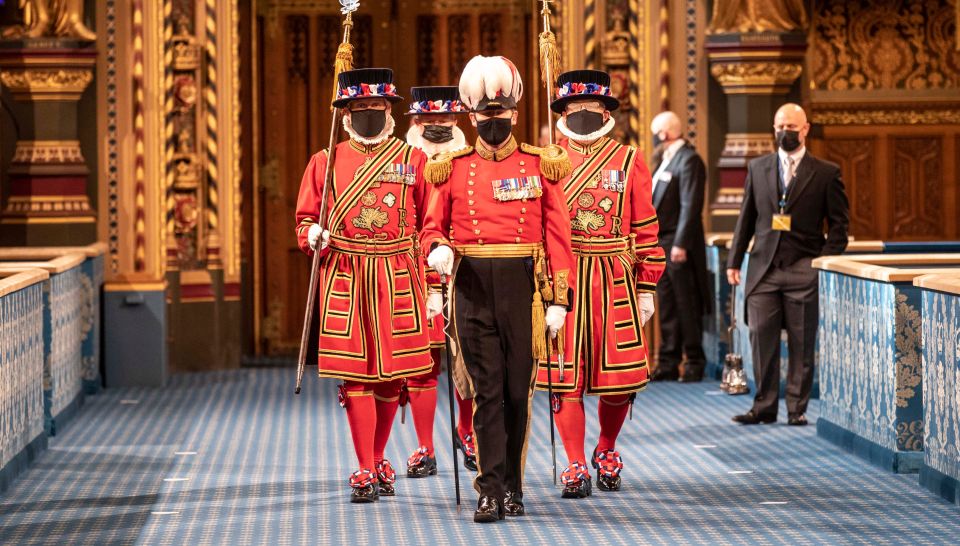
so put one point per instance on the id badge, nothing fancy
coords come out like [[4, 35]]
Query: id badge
[[781, 222]]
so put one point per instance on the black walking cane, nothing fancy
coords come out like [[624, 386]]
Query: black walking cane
[[553, 437], [453, 421]]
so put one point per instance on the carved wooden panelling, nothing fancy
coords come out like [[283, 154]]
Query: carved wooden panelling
[[363, 35], [918, 187], [884, 44], [328, 38], [856, 159], [458, 42], [427, 69], [490, 25], [297, 28]]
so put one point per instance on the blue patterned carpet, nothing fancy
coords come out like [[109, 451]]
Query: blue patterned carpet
[[235, 458]]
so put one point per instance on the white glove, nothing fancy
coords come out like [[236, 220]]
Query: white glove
[[647, 308], [315, 234], [434, 305], [441, 259], [556, 316]]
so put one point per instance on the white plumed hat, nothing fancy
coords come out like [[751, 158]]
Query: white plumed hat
[[490, 83]]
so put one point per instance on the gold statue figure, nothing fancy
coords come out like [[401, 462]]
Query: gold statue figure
[[758, 15], [51, 19]]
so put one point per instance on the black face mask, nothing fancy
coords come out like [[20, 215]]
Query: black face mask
[[584, 122], [438, 134], [494, 131], [788, 140], [657, 141], [368, 123]]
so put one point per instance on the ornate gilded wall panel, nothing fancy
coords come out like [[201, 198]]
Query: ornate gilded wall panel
[[886, 44], [918, 187]]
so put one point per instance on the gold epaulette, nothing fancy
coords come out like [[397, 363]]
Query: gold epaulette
[[440, 166], [554, 161]]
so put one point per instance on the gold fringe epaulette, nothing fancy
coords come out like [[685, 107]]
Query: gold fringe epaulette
[[554, 161], [440, 166]]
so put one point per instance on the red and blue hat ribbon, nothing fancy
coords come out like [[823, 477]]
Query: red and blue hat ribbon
[[578, 88], [437, 107], [372, 90]]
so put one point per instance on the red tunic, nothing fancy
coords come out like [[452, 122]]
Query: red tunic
[[465, 210], [614, 227], [372, 316]]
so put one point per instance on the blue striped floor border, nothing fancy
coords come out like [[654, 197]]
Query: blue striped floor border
[[235, 458]]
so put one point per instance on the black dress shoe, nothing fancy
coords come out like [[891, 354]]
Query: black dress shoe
[[425, 466], [691, 378], [797, 420], [489, 510], [513, 504], [367, 493], [664, 374], [751, 418]]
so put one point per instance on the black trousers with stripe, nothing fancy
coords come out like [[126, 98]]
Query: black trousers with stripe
[[493, 314]]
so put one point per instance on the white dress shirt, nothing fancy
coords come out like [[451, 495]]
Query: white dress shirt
[[789, 162], [668, 154]]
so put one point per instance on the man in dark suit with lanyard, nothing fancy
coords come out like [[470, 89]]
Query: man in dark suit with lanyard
[[787, 197], [683, 298]]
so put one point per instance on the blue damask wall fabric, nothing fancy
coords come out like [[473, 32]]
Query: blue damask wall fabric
[[870, 361], [941, 385], [21, 370]]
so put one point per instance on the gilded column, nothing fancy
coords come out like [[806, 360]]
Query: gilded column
[[46, 64], [756, 50]]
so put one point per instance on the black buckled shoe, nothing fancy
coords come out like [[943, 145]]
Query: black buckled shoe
[[387, 476], [751, 418], [489, 510], [608, 464], [365, 486], [513, 504], [797, 420], [466, 445], [576, 481], [421, 465], [665, 374]]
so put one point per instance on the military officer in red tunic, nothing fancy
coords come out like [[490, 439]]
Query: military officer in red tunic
[[434, 130], [614, 238], [372, 316], [496, 221]]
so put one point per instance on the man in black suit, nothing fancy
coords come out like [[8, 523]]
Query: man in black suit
[[682, 293], [786, 199]]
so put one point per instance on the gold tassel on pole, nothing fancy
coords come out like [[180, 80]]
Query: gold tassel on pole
[[344, 58], [549, 57]]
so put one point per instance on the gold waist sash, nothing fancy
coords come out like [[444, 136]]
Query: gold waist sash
[[504, 250], [602, 247], [372, 247]]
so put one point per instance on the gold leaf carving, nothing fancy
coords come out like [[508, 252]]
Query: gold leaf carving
[[909, 364]]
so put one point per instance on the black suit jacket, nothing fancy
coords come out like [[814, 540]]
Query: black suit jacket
[[679, 204], [816, 195]]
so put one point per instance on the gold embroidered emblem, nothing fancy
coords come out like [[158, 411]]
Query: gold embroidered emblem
[[585, 200], [595, 180], [369, 198], [389, 200], [606, 204], [370, 219], [587, 221]]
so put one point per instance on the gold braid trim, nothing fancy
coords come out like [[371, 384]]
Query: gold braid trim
[[554, 161], [440, 166]]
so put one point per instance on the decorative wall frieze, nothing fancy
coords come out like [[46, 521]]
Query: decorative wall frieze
[[38, 152], [754, 77], [36, 84]]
